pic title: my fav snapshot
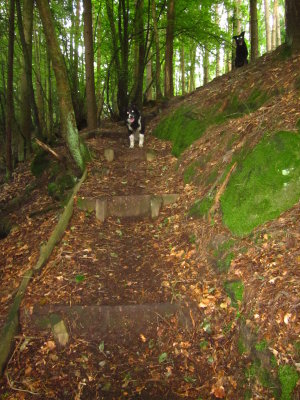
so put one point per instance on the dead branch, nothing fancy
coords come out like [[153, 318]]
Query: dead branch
[[220, 192], [49, 150]]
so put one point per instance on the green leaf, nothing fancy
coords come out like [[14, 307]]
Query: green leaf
[[79, 278], [163, 357], [101, 346]]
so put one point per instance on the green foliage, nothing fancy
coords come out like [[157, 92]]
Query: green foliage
[[264, 185], [288, 377], [223, 255], [235, 290]]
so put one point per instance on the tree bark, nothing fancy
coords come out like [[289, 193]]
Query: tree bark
[[25, 116], [169, 85], [9, 93], [267, 25], [89, 65], [205, 67], [292, 21], [67, 116], [182, 70], [157, 53], [253, 29], [140, 51]]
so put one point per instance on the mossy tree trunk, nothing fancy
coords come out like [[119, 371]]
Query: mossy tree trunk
[[67, 116]]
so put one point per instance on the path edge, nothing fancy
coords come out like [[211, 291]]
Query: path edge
[[11, 325]]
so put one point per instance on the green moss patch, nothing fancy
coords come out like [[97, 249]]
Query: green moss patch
[[187, 124], [183, 127], [288, 377], [264, 185], [235, 290]]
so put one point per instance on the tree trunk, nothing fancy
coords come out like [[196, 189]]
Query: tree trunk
[[278, 33], [25, 116], [149, 94], [75, 81], [217, 20], [67, 116], [253, 29], [28, 69], [9, 93], [140, 50], [267, 25], [236, 26], [292, 16], [169, 85], [182, 70], [157, 53], [205, 66], [89, 65], [192, 70]]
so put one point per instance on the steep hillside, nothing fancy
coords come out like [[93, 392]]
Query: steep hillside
[[237, 142]]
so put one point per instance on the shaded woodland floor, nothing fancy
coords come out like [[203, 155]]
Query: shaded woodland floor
[[133, 262]]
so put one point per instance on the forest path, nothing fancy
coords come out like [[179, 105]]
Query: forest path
[[109, 282]]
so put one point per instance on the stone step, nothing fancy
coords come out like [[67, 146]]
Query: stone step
[[126, 206], [99, 322]]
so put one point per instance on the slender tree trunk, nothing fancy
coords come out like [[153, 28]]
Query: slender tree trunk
[[149, 94], [192, 69], [28, 70], [267, 25], [278, 33], [140, 50], [292, 16], [75, 69], [67, 116], [236, 25], [9, 91], [169, 85], [205, 66], [182, 70], [157, 53], [253, 29], [25, 116], [217, 19], [89, 65], [50, 102]]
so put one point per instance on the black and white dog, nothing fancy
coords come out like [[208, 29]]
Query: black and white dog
[[136, 126], [241, 51]]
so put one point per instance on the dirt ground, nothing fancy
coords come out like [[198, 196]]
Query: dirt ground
[[140, 264]]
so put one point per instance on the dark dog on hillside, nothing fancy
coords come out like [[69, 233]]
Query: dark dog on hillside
[[241, 51], [136, 126]]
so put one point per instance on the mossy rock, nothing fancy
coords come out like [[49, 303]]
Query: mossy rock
[[221, 252], [201, 207], [264, 185]]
